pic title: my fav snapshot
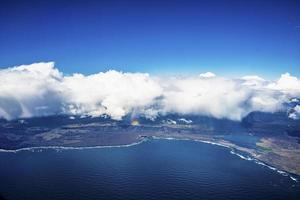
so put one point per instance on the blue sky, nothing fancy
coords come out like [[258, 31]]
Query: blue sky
[[226, 37]]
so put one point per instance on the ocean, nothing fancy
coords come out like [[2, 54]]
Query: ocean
[[155, 169]]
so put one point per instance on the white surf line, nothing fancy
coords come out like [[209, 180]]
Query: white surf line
[[237, 154], [196, 140], [265, 165], [33, 149]]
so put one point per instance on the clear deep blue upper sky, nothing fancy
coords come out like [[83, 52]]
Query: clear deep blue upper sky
[[227, 37]]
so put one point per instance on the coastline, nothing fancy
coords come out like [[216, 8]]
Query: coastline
[[32, 149], [257, 161], [232, 149]]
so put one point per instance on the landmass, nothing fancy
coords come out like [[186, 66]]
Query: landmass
[[274, 141]]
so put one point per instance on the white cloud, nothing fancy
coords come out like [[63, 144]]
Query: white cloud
[[207, 75], [295, 114], [294, 100], [187, 121], [113, 93], [30, 90], [288, 84], [217, 97], [40, 89], [253, 81]]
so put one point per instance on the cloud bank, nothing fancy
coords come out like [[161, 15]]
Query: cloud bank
[[40, 89]]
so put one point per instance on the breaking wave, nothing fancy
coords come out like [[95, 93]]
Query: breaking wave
[[263, 164], [58, 148]]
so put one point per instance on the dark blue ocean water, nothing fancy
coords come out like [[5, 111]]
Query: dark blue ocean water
[[156, 169]]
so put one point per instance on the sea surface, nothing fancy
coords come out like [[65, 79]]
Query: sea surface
[[155, 169]]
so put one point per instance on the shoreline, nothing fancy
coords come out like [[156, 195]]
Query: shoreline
[[70, 148], [232, 151], [248, 158]]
